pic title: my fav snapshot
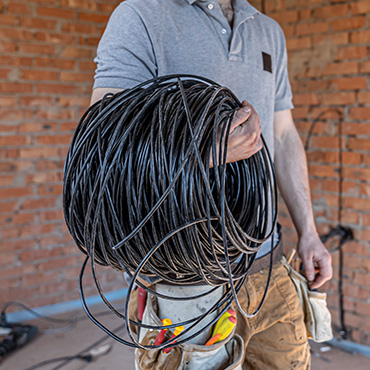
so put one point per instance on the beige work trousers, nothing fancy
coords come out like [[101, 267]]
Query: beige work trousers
[[276, 337]]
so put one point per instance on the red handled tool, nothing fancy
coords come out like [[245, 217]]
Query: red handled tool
[[141, 307], [178, 330], [160, 336]]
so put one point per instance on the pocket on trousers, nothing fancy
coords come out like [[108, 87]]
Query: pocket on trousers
[[295, 312]]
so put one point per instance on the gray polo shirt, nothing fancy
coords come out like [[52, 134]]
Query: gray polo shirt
[[149, 38]]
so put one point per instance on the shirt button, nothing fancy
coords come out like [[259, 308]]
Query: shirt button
[[210, 6], [223, 31]]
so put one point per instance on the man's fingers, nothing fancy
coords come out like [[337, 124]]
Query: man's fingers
[[240, 116], [309, 269], [325, 272]]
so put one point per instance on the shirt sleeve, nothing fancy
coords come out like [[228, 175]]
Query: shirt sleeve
[[283, 91], [125, 55]]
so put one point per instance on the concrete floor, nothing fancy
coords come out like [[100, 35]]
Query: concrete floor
[[48, 346]]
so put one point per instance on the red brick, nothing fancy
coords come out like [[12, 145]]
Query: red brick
[[332, 11], [93, 17], [79, 28], [351, 52], [31, 230], [32, 23], [46, 165], [15, 192], [40, 203], [298, 43], [360, 7], [350, 83], [42, 178], [56, 89], [55, 38], [363, 97], [79, 4], [75, 52], [348, 24], [14, 61], [365, 189], [351, 158], [36, 126], [39, 278], [16, 219], [362, 204], [78, 77], [360, 113], [360, 37], [56, 12], [38, 153], [305, 99], [35, 101], [344, 68], [356, 128], [9, 20], [39, 75], [37, 49], [361, 174], [322, 156], [107, 8], [17, 8], [322, 171], [50, 189], [285, 17], [54, 139], [340, 38], [312, 28], [55, 63], [324, 142], [14, 87], [16, 34], [338, 98], [14, 140], [51, 215], [362, 279]]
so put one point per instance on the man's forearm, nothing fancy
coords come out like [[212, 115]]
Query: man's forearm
[[292, 177]]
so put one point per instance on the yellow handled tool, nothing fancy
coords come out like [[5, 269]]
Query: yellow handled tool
[[228, 313], [223, 331]]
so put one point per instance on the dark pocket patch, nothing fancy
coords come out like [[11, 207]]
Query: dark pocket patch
[[267, 62]]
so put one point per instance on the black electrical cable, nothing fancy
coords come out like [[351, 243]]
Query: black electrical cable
[[139, 194], [343, 232]]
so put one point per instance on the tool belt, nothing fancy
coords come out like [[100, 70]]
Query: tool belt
[[224, 355]]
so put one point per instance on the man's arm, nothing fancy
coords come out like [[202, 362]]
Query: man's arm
[[99, 93], [292, 178]]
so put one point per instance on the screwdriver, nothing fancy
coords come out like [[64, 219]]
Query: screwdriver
[[141, 306], [160, 336], [178, 330], [229, 312], [223, 330]]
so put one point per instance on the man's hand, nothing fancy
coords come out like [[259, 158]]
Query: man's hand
[[245, 135], [316, 260]]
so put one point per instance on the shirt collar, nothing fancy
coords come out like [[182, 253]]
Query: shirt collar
[[241, 6]]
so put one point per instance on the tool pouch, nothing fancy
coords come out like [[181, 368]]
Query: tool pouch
[[316, 314], [224, 355]]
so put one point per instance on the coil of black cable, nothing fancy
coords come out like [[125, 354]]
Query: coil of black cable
[[139, 194]]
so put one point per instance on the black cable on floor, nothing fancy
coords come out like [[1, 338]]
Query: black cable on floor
[[139, 195], [345, 234]]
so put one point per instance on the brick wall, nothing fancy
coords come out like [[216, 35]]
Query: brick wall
[[329, 48], [46, 71]]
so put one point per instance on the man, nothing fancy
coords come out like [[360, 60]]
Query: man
[[230, 42]]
